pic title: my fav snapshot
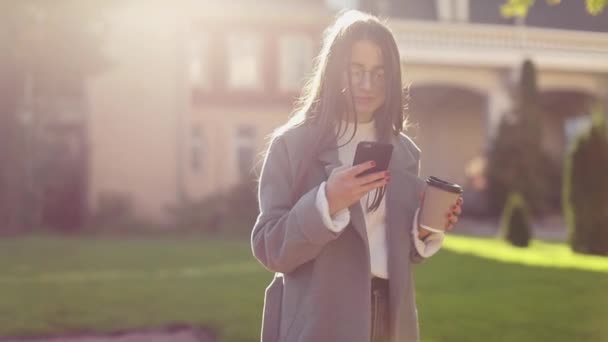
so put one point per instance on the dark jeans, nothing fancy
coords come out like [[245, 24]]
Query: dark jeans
[[380, 310]]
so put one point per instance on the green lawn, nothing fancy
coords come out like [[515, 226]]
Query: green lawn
[[473, 290]]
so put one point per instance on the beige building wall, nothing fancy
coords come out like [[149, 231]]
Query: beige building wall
[[584, 82], [142, 119], [219, 126], [592, 86], [449, 128], [448, 112], [135, 106], [478, 79]]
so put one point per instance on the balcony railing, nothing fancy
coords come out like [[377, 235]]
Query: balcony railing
[[500, 45]]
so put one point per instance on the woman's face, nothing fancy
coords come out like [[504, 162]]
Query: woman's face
[[367, 79]]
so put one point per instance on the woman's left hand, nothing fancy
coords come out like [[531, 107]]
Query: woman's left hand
[[451, 217], [453, 214]]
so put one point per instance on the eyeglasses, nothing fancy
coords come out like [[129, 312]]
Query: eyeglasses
[[376, 76]]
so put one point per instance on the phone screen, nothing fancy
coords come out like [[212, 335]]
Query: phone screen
[[379, 152]]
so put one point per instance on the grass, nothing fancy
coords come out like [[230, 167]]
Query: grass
[[487, 290], [473, 290], [51, 285]]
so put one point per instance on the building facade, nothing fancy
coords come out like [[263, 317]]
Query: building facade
[[194, 91]]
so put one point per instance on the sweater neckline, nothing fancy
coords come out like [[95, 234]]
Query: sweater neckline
[[365, 131]]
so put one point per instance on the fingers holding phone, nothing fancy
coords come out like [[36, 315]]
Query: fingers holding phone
[[373, 180], [346, 187]]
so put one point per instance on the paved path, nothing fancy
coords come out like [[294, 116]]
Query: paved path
[[182, 335], [552, 228]]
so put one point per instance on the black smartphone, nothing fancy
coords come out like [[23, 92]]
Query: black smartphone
[[379, 152]]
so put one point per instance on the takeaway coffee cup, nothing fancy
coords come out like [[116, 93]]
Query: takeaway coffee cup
[[439, 196]]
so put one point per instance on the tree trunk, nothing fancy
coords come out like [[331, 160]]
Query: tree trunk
[[11, 149]]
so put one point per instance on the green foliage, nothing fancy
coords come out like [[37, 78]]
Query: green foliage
[[515, 222], [520, 8], [231, 212], [516, 8], [596, 7], [585, 199]]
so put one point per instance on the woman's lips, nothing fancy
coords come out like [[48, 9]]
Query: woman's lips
[[363, 99]]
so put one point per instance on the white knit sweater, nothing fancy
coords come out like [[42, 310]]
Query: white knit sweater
[[375, 221]]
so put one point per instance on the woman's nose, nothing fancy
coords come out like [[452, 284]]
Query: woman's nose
[[366, 82]]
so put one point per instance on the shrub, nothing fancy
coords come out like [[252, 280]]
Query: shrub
[[232, 212], [515, 222], [585, 198]]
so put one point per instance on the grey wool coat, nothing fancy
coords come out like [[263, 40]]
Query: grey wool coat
[[321, 290]]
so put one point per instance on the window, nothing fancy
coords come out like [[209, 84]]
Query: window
[[196, 149], [462, 10], [339, 4], [244, 61], [453, 10], [296, 60], [384, 7], [197, 62], [245, 150], [574, 127]]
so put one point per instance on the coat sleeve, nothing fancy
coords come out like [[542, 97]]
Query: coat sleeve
[[432, 244], [415, 256], [286, 235]]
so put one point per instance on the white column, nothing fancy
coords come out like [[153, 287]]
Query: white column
[[498, 104], [603, 85]]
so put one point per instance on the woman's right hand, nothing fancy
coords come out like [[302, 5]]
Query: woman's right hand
[[343, 187]]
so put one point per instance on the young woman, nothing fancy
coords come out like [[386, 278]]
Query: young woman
[[342, 246]]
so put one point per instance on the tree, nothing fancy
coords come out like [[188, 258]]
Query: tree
[[585, 198], [49, 48], [11, 144], [516, 161], [520, 8]]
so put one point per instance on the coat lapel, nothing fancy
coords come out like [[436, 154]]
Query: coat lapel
[[403, 168], [401, 161], [401, 203], [330, 159]]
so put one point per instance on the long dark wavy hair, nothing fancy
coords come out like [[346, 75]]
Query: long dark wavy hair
[[324, 101]]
